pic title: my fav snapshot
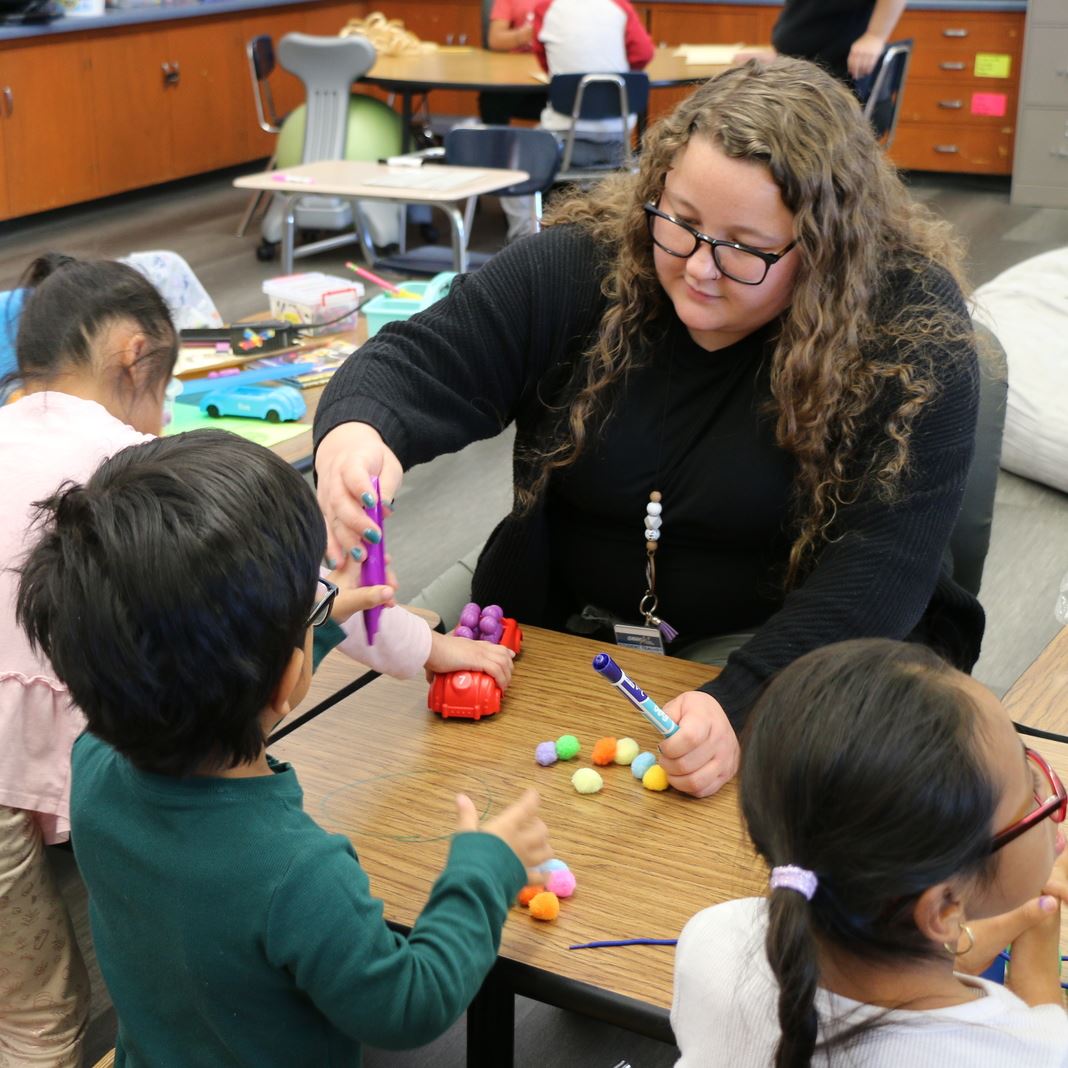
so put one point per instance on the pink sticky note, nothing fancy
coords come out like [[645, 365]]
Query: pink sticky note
[[988, 104]]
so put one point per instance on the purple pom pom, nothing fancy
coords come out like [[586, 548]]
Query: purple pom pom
[[464, 632], [545, 754], [487, 624], [469, 616], [493, 610]]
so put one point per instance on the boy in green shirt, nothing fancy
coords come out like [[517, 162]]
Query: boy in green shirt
[[176, 593]]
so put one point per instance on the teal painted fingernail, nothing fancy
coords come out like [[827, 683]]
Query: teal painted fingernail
[[368, 499], [372, 535], [356, 554], [331, 563]]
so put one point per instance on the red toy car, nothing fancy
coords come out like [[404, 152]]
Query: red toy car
[[472, 694]]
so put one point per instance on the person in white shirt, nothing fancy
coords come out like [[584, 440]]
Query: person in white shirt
[[911, 836]]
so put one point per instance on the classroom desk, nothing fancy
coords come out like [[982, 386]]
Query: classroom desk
[[350, 178], [480, 69], [383, 770]]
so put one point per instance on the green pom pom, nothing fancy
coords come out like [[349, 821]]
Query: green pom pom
[[567, 747]]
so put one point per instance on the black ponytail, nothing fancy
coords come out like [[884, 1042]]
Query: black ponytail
[[69, 301], [861, 764]]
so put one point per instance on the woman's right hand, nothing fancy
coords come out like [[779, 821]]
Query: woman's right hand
[[345, 462]]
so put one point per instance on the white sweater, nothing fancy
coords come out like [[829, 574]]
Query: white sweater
[[725, 1011]]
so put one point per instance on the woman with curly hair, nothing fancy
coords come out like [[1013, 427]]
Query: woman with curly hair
[[744, 386]]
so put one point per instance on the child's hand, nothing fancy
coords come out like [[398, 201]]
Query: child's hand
[[1057, 883], [519, 826], [994, 933], [450, 653]]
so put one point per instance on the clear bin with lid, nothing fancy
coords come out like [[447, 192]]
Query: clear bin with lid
[[326, 303]]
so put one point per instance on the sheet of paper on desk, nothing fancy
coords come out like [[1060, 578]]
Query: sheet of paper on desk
[[189, 417], [709, 55], [426, 178]]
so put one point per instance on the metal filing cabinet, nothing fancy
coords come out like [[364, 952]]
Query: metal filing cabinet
[[1040, 171]]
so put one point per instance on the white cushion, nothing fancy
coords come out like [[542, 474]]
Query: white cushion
[[1027, 308]]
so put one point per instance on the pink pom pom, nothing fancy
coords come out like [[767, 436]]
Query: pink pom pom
[[561, 882], [464, 632]]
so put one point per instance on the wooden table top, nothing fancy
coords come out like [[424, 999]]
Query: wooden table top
[[478, 68], [381, 769], [356, 178]]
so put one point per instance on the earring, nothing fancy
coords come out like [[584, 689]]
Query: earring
[[956, 951]]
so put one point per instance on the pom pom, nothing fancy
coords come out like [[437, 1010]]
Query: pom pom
[[587, 781], [464, 632], [641, 764], [493, 610], [604, 751], [567, 747], [626, 750], [562, 883], [655, 778], [545, 906], [488, 624], [527, 894], [552, 865], [494, 637], [545, 754], [469, 616]]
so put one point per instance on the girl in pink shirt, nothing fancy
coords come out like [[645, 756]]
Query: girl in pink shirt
[[96, 348]]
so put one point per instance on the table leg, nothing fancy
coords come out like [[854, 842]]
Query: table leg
[[406, 120], [289, 226], [459, 236], [491, 1026]]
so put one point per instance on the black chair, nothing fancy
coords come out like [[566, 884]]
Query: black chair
[[261, 65], [882, 106], [598, 96]]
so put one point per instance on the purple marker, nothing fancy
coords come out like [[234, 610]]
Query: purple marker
[[373, 569], [606, 666]]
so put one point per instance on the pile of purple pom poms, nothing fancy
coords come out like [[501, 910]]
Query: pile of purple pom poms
[[481, 624]]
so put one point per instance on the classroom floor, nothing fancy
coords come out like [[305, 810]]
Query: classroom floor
[[446, 508]]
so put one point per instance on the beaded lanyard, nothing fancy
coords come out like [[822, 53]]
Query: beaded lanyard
[[647, 606]]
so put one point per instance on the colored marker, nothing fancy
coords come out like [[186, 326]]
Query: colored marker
[[606, 666], [370, 276], [297, 179], [373, 569]]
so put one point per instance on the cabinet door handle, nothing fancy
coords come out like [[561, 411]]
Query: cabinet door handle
[[954, 33], [946, 150], [463, 38], [448, 38], [953, 65], [171, 73], [9, 100], [951, 105]]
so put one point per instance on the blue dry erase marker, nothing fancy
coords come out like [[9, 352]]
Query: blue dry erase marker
[[607, 667]]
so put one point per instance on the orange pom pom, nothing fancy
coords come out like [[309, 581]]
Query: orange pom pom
[[604, 751], [545, 906], [527, 893]]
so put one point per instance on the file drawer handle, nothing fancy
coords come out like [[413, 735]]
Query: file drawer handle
[[952, 65], [954, 33], [9, 99], [946, 150], [951, 105]]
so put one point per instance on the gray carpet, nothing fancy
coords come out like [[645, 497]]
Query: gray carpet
[[446, 508]]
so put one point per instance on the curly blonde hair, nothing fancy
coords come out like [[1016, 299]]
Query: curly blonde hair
[[854, 221]]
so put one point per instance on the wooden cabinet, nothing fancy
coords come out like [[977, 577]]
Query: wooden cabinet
[[48, 127], [4, 212], [959, 105]]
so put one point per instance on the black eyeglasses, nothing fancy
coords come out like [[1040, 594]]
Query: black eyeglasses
[[741, 263], [321, 612]]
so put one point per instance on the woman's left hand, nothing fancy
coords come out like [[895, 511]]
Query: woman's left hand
[[703, 753], [865, 54]]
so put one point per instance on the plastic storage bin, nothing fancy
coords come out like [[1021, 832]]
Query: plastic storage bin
[[319, 300], [386, 308]]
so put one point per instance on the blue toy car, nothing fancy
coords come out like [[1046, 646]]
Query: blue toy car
[[276, 404]]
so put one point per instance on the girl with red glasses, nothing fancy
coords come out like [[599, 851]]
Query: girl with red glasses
[[910, 837]]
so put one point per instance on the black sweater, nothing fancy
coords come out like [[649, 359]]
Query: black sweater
[[822, 30], [505, 345]]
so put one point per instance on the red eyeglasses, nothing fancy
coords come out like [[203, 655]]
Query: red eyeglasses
[[1053, 807]]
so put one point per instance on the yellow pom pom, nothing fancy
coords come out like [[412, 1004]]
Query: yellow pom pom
[[655, 778], [587, 781], [545, 906], [626, 750]]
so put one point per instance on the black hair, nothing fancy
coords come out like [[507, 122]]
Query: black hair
[[68, 303], [169, 592], [862, 765]]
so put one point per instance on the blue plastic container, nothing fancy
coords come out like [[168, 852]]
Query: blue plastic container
[[387, 308]]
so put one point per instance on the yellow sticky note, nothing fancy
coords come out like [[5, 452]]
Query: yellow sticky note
[[993, 65]]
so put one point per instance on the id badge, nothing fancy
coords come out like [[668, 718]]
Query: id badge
[[647, 639]]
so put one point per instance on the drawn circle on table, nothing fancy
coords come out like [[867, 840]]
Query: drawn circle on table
[[434, 806]]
